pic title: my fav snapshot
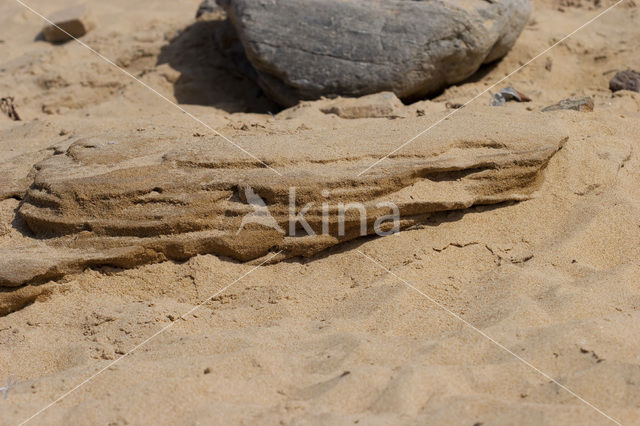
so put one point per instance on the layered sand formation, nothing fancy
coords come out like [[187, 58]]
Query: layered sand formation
[[123, 199]]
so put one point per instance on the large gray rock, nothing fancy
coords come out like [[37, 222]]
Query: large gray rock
[[304, 49]]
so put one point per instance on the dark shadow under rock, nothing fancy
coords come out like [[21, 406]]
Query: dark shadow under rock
[[210, 75]]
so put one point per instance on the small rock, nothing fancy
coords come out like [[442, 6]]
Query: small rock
[[73, 22], [383, 104], [625, 80], [207, 370], [508, 94], [584, 104], [450, 105], [208, 7]]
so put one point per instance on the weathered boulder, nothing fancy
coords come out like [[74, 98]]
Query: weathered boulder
[[122, 199], [305, 49]]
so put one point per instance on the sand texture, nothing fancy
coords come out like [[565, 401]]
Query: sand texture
[[118, 214]]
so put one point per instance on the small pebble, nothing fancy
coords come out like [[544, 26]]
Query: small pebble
[[69, 23]]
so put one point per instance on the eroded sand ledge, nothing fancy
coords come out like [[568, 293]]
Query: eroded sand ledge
[[124, 200]]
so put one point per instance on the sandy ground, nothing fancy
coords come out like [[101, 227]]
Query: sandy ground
[[337, 339]]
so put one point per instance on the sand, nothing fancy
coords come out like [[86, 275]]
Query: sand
[[336, 338]]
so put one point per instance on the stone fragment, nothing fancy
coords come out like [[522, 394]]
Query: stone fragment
[[7, 107], [72, 22], [584, 105], [625, 80], [385, 104], [508, 94]]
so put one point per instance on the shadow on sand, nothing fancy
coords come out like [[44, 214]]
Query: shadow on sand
[[210, 76]]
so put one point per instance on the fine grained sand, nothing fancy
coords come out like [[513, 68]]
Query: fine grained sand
[[335, 339]]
